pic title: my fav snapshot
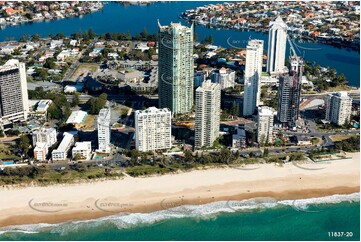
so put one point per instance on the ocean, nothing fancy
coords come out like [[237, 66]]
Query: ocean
[[252, 219], [115, 17]]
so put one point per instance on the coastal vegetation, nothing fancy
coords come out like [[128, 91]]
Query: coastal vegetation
[[351, 144], [43, 175], [324, 78], [139, 164]]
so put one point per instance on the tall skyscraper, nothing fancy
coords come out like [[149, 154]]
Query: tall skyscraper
[[276, 46], [289, 92], [338, 108], [13, 92], [153, 129], [252, 76], [207, 120], [265, 125], [175, 67], [103, 123]]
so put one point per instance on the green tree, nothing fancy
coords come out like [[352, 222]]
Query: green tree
[[134, 154], [35, 37], [265, 153], [23, 38], [95, 104], [235, 110], [78, 157], [24, 144], [28, 16], [41, 73], [144, 33], [103, 97], [54, 112], [59, 36], [50, 63], [188, 156], [76, 99], [91, 34], [17, 51]]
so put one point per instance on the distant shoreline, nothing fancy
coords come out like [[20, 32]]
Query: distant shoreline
[[61, 203], [351, 45]]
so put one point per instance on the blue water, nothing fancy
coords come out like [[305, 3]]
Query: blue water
[[265, 219], [117, 18]]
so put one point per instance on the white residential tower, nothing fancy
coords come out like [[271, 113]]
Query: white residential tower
[[252, 76], [153, 129], [207, 120]]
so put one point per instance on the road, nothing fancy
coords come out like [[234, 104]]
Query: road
[[355, 94], [117, 160]]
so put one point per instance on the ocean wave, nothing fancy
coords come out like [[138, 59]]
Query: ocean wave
[[333, 199], [206, 211]]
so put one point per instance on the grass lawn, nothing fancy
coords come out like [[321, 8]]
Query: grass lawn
[[84, 68], [339, 137], [5, 151], [316, 141], [339, 88], [89, 122]]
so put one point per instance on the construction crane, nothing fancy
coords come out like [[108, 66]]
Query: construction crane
[[295, 61], [296, 70], [292, 48]]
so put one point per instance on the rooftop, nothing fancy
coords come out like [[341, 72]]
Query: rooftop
[[104, 115], [265, 111], [152, 110], [44, 130], [86, 145], [39, 146], [208, 85], [178, 26], [255, 42], [43, 105], [67, 139], [77, 117], [341, 94], [10, 65]]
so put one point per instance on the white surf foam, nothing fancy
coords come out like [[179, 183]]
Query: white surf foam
[[206, 211]]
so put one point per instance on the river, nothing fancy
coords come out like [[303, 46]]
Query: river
[[115, 17]]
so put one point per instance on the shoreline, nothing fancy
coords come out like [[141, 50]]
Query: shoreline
[[348, 45], [81, 216], [62, 203]]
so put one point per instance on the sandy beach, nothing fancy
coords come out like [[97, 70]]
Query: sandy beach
[[59, 203]]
